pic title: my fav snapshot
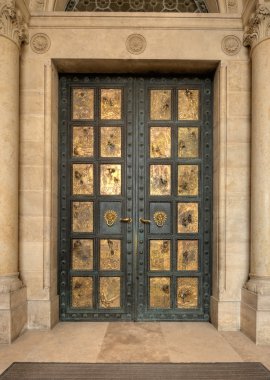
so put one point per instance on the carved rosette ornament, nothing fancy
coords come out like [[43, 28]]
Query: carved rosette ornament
[[12, 24], [40, 43], [136, 44], [259, 26], [231, 45]]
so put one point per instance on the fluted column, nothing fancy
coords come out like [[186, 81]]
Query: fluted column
[[256, 295], [12, 294]]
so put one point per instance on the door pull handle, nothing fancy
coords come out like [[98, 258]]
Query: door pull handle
[[126, 220], [145, 221]]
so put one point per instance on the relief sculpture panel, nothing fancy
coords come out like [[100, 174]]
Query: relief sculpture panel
[[83, 141], [110, 254], [188, 104], [160, 179], [160, 292], [83, 104], [160, 142], [82, 254], [110, 142], [111, 104], [160, 255], [82, 292], [110, 179], [188, 142], [160, 104], [188, 218], [187, 292], [83, 179], [109, 292], [82, 216]]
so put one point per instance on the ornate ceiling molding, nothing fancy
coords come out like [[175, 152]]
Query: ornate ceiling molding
[[258, 26], [12, 24], [179, 6]]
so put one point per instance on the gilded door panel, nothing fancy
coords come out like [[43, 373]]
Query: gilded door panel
[[83, 103], [83, 141], [160, 179], [83, 179], [188, 218], [159, 293], [82, 292], [188, 142], [160, 142], [188, 180], [111, 104], [110, 254], [160, 104], [82, 254], [109, 292], [187, 255], [188, 104], [110, 142], [110, 179], [187, 292], [160, 255], [82, 217]]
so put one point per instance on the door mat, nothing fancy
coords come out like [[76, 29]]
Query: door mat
[[138, 371]]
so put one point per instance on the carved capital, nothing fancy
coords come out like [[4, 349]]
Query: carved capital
[[12, 24], [259, 26]]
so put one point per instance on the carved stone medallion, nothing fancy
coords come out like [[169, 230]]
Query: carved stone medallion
[[136, 44], [231, 45], [40, 43]]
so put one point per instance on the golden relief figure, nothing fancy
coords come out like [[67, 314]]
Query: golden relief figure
[[188, 104], [82, 254], [110, 254], [83, 141], [83, 179], [160, 255], [188, 218], [111, 104], [187, 258], [188, 180], [160, 179], [83, 103], [82, 216], [110, 142], [109, 292], [160, 142], [160, 104], [188, 142], [110, 179], [82, 292], [187, 292], [159, 293]]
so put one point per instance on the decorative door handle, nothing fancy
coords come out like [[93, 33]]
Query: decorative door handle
[[126, 220], [145, 221]]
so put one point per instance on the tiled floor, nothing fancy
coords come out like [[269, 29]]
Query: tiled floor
[[133, 342]]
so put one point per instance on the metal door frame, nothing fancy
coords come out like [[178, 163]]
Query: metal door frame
[[134, 297]]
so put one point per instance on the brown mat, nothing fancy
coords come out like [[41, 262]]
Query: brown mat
[[209, 371]]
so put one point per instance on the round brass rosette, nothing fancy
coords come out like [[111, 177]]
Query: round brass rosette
[[110, 217], [160, 218]]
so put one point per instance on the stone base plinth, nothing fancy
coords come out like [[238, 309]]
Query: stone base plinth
[[225, 315], [13, 314], [255, 316], [43, 314]]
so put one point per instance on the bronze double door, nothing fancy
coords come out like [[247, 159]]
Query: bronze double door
[[135, 198]]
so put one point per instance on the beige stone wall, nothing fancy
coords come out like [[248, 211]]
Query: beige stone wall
[[81, 42]]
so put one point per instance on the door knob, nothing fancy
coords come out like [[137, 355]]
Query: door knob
[[126, 220], [145, 221]]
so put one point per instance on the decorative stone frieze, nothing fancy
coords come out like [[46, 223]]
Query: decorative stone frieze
[[259, 26], [12, 24]]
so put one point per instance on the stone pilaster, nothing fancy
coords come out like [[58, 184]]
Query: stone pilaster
[[13, 310], [255, 308]]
